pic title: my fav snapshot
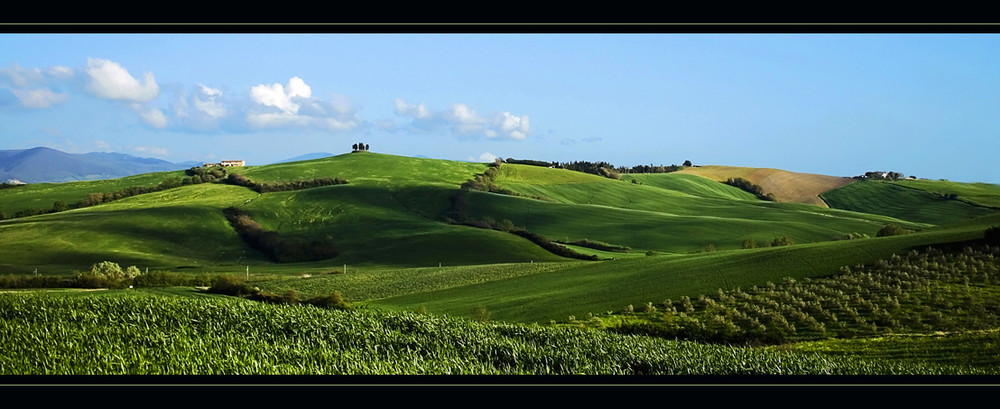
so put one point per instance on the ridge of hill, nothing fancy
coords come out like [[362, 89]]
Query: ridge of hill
[[786, 186], [46, 165]]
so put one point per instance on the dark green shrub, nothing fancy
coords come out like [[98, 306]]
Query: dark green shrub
[[782, 241], [890, 230], [333, 300], [231, 285]]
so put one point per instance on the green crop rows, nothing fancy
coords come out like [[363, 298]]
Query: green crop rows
[[149, 334]]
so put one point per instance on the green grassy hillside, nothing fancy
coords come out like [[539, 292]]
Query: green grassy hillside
[[916, 203], [172, 229], [690, 184], [667, 212], [985, 194], [388, 225], [594, 287], [38, 196]]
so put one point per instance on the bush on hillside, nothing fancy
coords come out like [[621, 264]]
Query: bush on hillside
[[231, 285], [782, 241], [890, 230]]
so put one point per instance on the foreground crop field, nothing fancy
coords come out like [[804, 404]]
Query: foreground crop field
[[135, 333]]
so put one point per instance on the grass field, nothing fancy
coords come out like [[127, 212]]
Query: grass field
[[581, 288], [904, 202], [39, 196]]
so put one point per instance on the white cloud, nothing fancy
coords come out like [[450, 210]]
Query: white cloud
[[465, 121], [109, 79], [30, 85], [274, 95], [60, 72], [22, 77], [295, 106], [102, 144], [211, 105], [487, 157], [511, 126], [419, 111], [38, 98], [153, 117]]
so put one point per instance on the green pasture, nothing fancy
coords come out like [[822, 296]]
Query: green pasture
[[908, 200], [690, 184], [581, 288], [985, 194], [372, 169], [389, 226], [174, 229], [39, 196], [724, 224]]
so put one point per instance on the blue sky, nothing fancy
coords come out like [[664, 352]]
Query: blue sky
[[838, 104]]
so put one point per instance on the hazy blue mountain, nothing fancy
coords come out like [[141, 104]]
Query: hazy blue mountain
[[40, 165]]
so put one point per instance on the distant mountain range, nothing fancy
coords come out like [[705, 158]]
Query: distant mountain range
[[42, 165]]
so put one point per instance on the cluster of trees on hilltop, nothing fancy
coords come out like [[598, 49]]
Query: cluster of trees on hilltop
[[881, 175]]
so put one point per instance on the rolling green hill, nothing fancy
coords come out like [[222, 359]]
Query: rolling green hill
[[388, 224], [911, 200]]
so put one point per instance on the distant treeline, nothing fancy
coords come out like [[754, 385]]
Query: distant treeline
[[278, 249], [240, 180], [600, 168], [748, 186]]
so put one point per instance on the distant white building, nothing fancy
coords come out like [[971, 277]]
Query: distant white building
[[226, 163]]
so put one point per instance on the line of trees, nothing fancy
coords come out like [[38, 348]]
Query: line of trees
[[598, 245], [234, 286], [750, 187], [601, 168], [278, 249], [240, 180]]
